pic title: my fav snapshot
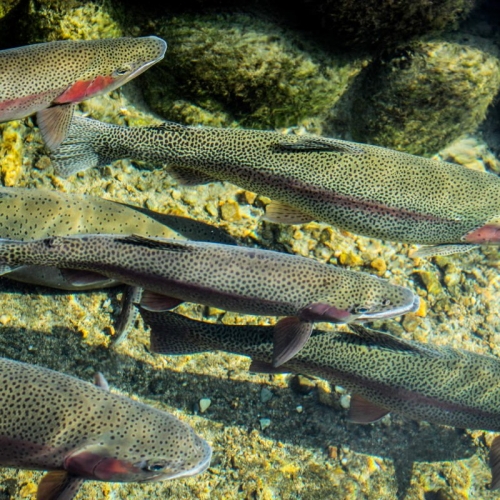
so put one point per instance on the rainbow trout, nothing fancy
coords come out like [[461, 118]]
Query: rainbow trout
[[38, 213], [49, 78], [368, 190], [27, 214], [385, 374], [239, 279], [51, 421]]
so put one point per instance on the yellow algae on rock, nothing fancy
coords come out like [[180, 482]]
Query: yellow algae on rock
[[379, 265], [230, 211], [431, 282], [11, 154], [290, 470], [28, 490], [422, 309], [350, 259]]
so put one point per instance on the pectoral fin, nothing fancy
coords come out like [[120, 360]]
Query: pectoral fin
[[128, 313], [58, 485], [388, 341], [290, 335], [280, 213], [435, 250], [77, 278], [54, 123], [153, 301], [363, 411], [495, 463]]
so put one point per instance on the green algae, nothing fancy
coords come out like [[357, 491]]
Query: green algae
[[421, 99], [49, 20], [250, 68], [314, 454], [382, 24]]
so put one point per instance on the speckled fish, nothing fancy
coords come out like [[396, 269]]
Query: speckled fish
[[239, 279], [385, 374], [37, 213], [49, 78], [369, 190], [54, 422], [27, 214]]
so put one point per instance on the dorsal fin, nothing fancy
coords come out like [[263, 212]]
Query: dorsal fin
[[388, 341], [317, 143], [189, 228], [155, 243], [171, 126]]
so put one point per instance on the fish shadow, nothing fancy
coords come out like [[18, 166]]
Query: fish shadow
[[237, 402]]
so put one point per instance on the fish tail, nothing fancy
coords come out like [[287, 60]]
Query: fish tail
[[82, 148], [6, 263], [172, 333]]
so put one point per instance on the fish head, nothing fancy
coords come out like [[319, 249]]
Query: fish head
[[154, 449], [397, 302], [370, 299], [111, 63]]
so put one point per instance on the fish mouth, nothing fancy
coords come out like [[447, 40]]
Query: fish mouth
[[200, 467], [390, 313]]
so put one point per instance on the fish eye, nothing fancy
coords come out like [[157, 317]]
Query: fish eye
[[359, 309], [121, 71], [154, 466]]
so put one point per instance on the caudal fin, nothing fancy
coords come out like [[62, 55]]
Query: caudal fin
[[80, 149]]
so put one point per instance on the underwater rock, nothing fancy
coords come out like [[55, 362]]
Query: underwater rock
[[246, 68], [6, 6], [422, 98], [49, 20], [381, 24]]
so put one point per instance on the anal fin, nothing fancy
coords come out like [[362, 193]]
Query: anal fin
[[77, 278], [494, 460], [363, 411], [281, 213], [153, 301], [290, 335], [54, 123]]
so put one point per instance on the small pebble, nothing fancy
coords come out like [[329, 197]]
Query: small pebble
[[204, 404], [265, 395], [264, 423], [299, 409], [345, 401]]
